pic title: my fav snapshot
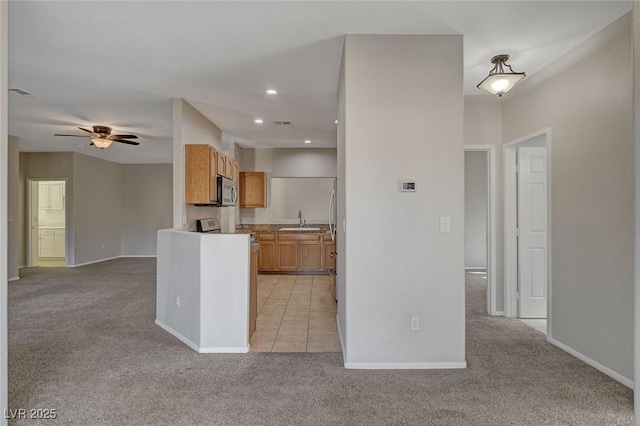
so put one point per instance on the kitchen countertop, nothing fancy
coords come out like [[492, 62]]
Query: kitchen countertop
[[275, 229]]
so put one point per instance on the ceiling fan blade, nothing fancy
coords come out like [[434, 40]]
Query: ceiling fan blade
[[125, 136], [126, 141], [86, 130], [75, 136]]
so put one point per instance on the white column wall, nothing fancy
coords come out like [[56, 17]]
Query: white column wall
[[403, 121]]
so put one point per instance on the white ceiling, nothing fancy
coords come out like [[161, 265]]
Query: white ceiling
[[120, 63]]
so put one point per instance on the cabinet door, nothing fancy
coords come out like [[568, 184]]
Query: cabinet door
[[287, 255], [46, 243], [213, 174], [328, 262], [222, 162], [228, 167], [58, 243], [236, 172], [197, 174], [310, 255], [43, 195], [267, 256], [253, 189], [55, 196]]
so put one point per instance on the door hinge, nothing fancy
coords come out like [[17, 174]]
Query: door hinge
[[517, 232], [516, 168], [517, 295]]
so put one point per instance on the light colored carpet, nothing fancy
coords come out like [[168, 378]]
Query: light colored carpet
[[83, 341]]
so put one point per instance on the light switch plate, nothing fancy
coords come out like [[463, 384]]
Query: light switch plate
[[409, 186]]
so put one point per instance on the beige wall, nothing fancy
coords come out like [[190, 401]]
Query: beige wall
[[146, 206], [636, 110], [97, 208], [13, 210], [483, 126], [284, 162], [191, 127], [475, 209], [586, 100], [403, 121]]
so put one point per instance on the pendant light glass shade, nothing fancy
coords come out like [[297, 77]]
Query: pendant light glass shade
[[101, 143], [499, 82]]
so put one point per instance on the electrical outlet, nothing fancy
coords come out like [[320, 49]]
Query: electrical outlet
[[445, 224], [177, 301], [415, 323]]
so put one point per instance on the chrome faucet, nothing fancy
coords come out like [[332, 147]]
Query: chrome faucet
[[300, 218]]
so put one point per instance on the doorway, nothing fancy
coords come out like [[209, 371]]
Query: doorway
[[480, 256], [47, 223], [527, 229]]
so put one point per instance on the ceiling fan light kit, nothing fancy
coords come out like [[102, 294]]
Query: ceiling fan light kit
[[102, 138], [499, 81]]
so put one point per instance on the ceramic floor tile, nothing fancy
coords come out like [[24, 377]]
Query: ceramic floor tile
[[288, 325], [323, 315], [324, 346], [264, 336], [266, 315], [268, 324], [279, 295], [323, 324], [291, 335], [276, 302], [322, 335], [261, 346], [299, 301], [289, 346]]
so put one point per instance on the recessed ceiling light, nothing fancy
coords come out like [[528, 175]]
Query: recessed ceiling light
[[258, 121], [307, 141], [271, 92]]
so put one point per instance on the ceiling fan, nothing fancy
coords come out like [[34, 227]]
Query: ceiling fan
[[102, 138]]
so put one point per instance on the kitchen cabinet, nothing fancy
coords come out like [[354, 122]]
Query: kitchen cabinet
[[287, 255], [268, 252], [310, 255], [253, 189], [51, 195], [201, 172], [51, 242], [253, 288], [236, 173], [222, 163], [228, 167]]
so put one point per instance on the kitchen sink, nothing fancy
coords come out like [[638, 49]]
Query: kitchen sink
[[299, 229]]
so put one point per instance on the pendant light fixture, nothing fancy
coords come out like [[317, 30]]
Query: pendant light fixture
[[499, 82]]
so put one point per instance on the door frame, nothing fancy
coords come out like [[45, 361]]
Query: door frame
[[29, 209], [510, 222], [491, 226]]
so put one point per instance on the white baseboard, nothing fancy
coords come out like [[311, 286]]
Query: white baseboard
[[229, 350], [183, 339], [498, 314], [13, 279], [615, 376], [22, 266], [93, 261], [139, 255], [177, 335], [344, 352], [484, 268], [405, 365]]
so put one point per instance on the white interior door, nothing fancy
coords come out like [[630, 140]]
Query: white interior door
[[532, 225]]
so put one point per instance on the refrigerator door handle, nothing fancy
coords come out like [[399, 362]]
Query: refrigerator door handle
[[331, 224]]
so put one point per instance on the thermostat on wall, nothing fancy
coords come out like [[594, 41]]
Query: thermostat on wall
[[408, 186]]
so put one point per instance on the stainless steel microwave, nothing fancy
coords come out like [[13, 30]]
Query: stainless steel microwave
[[227, 192]]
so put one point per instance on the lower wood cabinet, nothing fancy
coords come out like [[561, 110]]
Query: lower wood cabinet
[[304, 252], [268, 254]]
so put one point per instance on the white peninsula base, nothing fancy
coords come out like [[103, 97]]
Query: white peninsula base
[[203, 289]]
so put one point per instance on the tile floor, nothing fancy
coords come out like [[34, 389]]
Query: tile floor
[[296, 313]]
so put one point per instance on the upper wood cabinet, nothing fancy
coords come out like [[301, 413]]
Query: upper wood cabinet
[[236, 173], [253, 189], [200, 174], [228, 167], [222, 163]]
